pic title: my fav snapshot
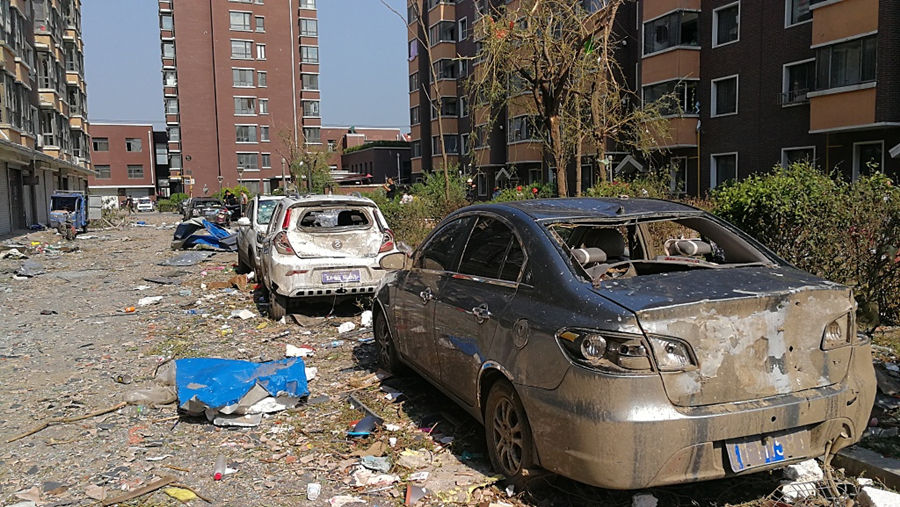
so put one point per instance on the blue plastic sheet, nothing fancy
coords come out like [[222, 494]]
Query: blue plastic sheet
[[219, 383]]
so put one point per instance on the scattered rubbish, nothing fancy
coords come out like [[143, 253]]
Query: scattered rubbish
[[392, 427], [874, 497], [365, 477], [141, 287], [336, 343], [200, 233], [219, 469], [365, 320], [414, 494], [311, 373], [346, 327], [376, 449], [313, 490], [152, 396], [644, 500], [301, 351], [342, 500], [48, 312], [805, 471], [223, 388], [122, 379], [511, 490], [414, 459], [64, 420], [129, 309], [187, 259], [181, 494], [149, 488], [888, 381], [163, 280], [365, 426], [30, 269], [392, 395], [149, 300], [418, 476], [159, 458], [242, 314], [375, 463], [95, 492], [13, 253]]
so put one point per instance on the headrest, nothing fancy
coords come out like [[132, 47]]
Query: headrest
[[586, 256], [608, 240], [687, 247]]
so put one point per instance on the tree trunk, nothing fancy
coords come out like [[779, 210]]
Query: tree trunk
[[559, 156], [578, 155]]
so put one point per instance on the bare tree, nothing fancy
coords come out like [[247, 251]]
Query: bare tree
[[562, 53], [305, 163]]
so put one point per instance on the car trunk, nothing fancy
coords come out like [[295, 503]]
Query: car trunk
[[756, 331], [324, 231]]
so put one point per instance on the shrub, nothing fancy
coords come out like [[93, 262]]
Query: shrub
[[520, 192], [653, 185], [167, 205]]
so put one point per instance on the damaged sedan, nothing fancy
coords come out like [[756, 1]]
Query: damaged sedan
[[626, 343]]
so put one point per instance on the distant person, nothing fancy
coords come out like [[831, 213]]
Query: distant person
[[390, 189], [244, 199], [230, 199], [471, 190], [328, 190], [129, 204]]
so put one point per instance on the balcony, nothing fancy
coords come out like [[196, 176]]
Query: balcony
[[846, 110], [793, 97], [842, 20]]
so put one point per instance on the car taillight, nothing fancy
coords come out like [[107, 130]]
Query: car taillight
[[387, 241], [282, 245], [287, 220]]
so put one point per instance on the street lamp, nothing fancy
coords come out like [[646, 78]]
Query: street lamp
[[241, 182]]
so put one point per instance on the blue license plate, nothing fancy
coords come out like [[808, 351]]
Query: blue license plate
[[767, 449], [340, 276]]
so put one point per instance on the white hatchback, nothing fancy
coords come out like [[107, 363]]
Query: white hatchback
[[323, 246]]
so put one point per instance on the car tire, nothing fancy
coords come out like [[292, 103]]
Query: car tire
[[277, 306], [388, 358], [508, 434]]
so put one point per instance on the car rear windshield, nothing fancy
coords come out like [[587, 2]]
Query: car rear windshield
[[333, 219], [264, 213]]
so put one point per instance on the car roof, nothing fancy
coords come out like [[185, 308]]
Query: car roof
[[585, 207], [270, 197], [325, 199]]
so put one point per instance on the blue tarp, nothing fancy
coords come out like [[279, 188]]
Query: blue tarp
[[219, 383], [188, 235]]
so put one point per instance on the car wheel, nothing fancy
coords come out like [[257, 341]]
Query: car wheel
[[277, 306], [388, 358], [508, 434]]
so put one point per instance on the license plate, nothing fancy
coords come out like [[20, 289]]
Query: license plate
[[764, 450], [340, 276]]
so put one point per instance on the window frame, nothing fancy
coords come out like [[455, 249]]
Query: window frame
[[785, 82], [302, 87], [713, 170], [260, 51], [100, 173], [242, 41], [715, 25], [255, 101], [252, 78], [713, 95], [252, 139], [130, 141], [307, 34], [94, 144], [684, 92], [788, 4], [643, 31], [262, 79], [797, 148], [259, 24], [318, 108], [493, 280], [303, 59], [856, 161], [245, 168], [129, 168], [460, 25], [249, 25]]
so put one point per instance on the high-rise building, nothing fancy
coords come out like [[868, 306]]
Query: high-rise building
[[44, 139], [241, 86], [759, 83]]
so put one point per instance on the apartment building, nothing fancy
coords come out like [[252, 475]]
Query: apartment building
[[241, 85], [124, 159], [44, 139], [336, 139], [759, 83]]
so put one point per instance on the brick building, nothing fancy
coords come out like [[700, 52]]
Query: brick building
[[337, 139], [760, 82], [375, 162], [124, 160], [241, 84], [43, 119]]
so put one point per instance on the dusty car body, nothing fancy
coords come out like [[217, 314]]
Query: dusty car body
[[252, 228], [209, 208], [144, 204], [68, 212], [627, 343], [323, 246]]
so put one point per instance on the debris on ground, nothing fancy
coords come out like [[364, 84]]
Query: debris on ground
[[874, 497], [201, 233], [644, 500], [187, 259], [30, 269]]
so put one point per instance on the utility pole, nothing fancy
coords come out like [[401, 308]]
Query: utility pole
[[399, 179]]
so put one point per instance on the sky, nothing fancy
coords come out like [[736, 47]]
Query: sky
[[362, 49]]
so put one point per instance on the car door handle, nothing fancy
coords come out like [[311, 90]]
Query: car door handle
[[481, 313], [426, 295]]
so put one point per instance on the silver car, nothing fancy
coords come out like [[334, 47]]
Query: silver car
[[252, 229], [323, 246]]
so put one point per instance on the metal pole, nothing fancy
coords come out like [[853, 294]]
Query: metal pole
[[283, 186], [399, 178]]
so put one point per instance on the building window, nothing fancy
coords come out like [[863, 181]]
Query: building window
[[723, 169], [463, 67], [312, 135], [243, 78], [264, 133], [846, 64], [307, 4], [415, 149], [101, 144], [801, 154], [174, 161], [263, 106], [174, 134], [245, 133], [240, 21], [241, 49], [262, 78], [248, 161], [451, 143], [414, 115], [170, 78], [309, 54], [463, 107], [266, 160], [103, 172], [260, 23], [684, 93], [446, 69], [726, 24], [463, 25], [679, 28], [332, 145], [309, 28], [413, 49], [135, 172], [310, 81], [165, 22], [449, 106], [311, 108], [260, 51], [442, 31], [796, 12], [799, 79], [168, 50], [413, 82], [244, 105], [132, 144], [464, 143], [868, 157], [724, 96], [171, 106], [522, 128], [412, 14]]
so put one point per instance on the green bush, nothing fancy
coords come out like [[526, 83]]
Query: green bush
[[178, 197], [167, 205], [653, 185], [520, 192]]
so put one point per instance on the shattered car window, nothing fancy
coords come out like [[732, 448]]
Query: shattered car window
[[441, 253], [335, 218], [486, 249], [264, 212], [654, 246]]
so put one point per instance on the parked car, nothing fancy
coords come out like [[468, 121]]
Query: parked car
[[252, 228], [323, 246], [626, 343], [68, 213], [182, 205], [209, 208], [144, 204]]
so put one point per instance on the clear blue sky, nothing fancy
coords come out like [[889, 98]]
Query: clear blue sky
[[362, 47]]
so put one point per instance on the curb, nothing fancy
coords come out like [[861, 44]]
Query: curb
[[858, 461]]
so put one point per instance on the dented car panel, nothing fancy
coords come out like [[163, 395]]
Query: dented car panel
[[649, 342]]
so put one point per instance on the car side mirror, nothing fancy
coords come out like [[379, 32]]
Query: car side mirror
[[406, 249], [243, 222], [396, 260]]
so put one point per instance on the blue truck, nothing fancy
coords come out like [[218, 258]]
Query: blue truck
[[68, 213]]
